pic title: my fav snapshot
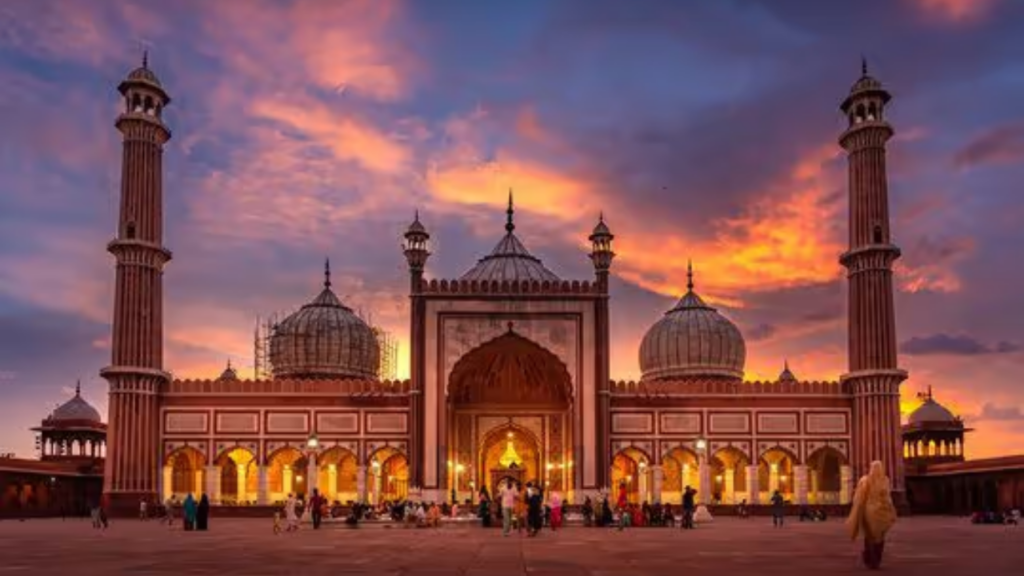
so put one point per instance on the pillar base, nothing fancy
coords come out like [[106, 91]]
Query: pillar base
[[126, 504]]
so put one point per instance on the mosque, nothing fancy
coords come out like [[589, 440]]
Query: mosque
[[509, 375]]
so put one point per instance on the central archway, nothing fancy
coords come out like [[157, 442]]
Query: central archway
[[529, 391]]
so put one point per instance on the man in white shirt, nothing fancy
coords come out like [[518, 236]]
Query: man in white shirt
[[508, 503]]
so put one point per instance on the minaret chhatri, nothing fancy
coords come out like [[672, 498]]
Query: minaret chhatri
[[874, 375], [136, 373]]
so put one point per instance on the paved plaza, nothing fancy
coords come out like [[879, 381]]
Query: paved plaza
[[934, 546]]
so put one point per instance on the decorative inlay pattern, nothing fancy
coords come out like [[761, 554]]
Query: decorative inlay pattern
[[185, 422], [830, 423], [729, 423], [287, 422], [238, 422], [386, 423], [631, 423], [337, 422], [680, 423], [778, 423]]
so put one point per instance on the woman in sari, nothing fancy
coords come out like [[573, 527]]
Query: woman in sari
[[190, 512], [872, 514]]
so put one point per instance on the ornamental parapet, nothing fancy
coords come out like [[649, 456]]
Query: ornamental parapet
[[721, 386], [325, 386], [504, 287]]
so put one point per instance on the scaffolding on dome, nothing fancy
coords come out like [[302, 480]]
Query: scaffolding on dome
[[262, 367], [388, 354]]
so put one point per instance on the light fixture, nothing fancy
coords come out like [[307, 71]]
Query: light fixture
[[298, 478], [643, 465], [550, 466], [701, 444], [313, 442], [459, 467], [509, 434], [718, 478], [775, 467], [376, 465]]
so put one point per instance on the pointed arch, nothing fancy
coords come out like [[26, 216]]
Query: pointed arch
[[510, 370]]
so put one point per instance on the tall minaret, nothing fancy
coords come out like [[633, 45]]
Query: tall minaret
[[874, 375], [416, 250], [136, 373]]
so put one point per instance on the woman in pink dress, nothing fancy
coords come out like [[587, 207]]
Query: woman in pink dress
[[555, 501]]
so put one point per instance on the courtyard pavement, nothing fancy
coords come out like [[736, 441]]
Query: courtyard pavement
[[932, 546]]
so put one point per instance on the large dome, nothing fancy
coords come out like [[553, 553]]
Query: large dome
[[76, 410], [692, 339], [324, 339], [510, 260]]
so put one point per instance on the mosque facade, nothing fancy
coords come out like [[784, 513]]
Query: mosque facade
[[509, 374]]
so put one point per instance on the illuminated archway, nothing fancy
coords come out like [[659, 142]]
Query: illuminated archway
[[729, 475], [679, 466], [286, 474], [239, 476], [338, 474], [824, 469], [387, 475], [631, 468], [508, 451], [184, 473], [775, 471]]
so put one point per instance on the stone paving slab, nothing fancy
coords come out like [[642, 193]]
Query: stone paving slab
[[918, 546]]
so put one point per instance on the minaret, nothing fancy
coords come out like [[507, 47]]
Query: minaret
[[601, 256], [416, 252], [136, 373], [874, 375]]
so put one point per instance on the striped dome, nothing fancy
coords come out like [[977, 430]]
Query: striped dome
[[324, 339], [692, 339]]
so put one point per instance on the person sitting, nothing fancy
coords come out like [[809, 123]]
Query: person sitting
[[588, 512], [668, 518], [742, 510], [805, 514], [434, 516]]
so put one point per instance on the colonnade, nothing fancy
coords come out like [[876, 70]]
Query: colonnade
[[932, 448]]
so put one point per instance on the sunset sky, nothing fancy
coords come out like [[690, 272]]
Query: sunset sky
[[702, 129]]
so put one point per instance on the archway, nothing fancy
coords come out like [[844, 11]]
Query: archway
[[729, 476], [183, 473], [679, 466], [287, 467], [775, 472], [509, 453], [631, 468], [239, 476], [824, 470], [338, 474], [509, 377], [387, 475]]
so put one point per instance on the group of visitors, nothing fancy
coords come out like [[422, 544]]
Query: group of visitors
[[195, 515], [528, 512], [1009, 517]]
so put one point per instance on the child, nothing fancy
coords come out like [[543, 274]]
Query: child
[[277, 522]]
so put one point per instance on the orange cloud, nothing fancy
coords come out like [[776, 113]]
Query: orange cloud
[[958, 11]]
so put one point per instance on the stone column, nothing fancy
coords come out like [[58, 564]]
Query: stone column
[[704, 472], [263, 488], [845, 485], [730, 486], [213, 484], [659, 478], [773, 478], [753, 490], [800, 484], [815, 490], [166, 483], [361, 483], [199, 483], [312, 475]]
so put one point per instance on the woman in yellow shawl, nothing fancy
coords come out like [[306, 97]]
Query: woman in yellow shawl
[[872, 514]]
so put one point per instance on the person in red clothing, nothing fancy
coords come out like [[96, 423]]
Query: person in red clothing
[[623, 500]]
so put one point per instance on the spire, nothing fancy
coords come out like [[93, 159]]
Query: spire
[[509, 225], [327, 274], [863, 65], [145, 59], [78, 389], [785, 364], [689, 275], [229, 364]]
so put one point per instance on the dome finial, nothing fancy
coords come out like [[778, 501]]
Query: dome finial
[[689, 275], [863, 65], [145, 59], [327, 273], [78, 388], [509, 225]]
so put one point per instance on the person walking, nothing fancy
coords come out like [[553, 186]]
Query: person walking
[[508, 504], [872, 514], [316, 508], [555, 501], [189, 509], [290, 513], [778, 509], [484, 511]]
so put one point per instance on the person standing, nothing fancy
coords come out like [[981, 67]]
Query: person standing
[[508, 504], [872, 514], [316, 508], [190, 512], [555, 501], [203, 514], [143, 514], [290, 514], [484, 512], [688, 508], [778, 509]]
